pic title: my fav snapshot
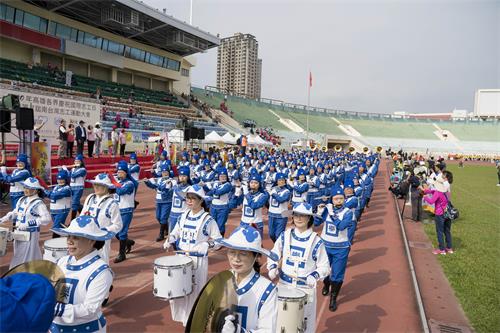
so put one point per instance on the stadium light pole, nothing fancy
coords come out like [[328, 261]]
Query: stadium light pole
[[309, 84], [191, 12]]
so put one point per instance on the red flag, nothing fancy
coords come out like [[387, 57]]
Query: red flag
[[310, 79]]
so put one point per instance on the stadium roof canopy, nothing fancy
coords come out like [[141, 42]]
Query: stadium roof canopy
[[137, 21]]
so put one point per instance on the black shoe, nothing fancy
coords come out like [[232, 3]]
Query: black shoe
[[73, 214], [121, 255], [129, 245], [161, 235], [136, 203], [326, 286], [105, 302], [333, 296]]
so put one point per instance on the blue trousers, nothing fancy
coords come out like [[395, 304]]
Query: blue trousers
[[126, 220], [338, 262], [76, 195], [259, 225], [163, 212], [14, 198], [172, 220], [443, 226], [276, 226], [220, 216], [59, 218]]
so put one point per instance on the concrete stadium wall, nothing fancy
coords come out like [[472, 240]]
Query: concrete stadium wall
[[76, 66], [22, 52], [124, 78], [12, 50]]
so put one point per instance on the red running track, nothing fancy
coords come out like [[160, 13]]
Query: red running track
[[377, 294]]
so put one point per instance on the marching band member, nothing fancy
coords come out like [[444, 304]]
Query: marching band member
[[87, 278], [28, 215], [163, 160], [245, 172], [193, 234], [60, 200], [135, 170], [125, 197], [178, 199], [336, 218], [233, 173], [207, 176], [351, 202], [104, 208], [220, 192], [278, 207], [163, 187], [77, 175], [300, 187], [314, 184], [252, 202], [304, 260], [19, 175], [184, 159], [257, 298], [270, 179], [282, 167]]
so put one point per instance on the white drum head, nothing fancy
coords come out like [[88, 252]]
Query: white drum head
[[56, 244], [290, 294], [172, 261]]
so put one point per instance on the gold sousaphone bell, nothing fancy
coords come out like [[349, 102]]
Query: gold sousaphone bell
[[49, 270], [379, 149], [217, 300], [338, 148], [352, 150]]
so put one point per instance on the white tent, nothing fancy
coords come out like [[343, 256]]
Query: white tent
[[258, 141], [213, 137], [228, 138], [263, 142], [176, 136], [154, 138]]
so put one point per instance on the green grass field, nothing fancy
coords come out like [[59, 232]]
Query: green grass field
[[474, 269]]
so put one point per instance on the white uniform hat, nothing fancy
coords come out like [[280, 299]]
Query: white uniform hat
[[32, 183], [85, 226], [246, 238], [102, 179], [195, 189]]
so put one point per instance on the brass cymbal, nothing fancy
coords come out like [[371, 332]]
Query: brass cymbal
[[46, 268], [217, 300]]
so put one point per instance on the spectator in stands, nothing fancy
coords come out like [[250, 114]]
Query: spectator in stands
[[123, 142], [98, 139], [114, 141], [63, 140], [118, 120], [81, 137], [125, 123], [70, 140], [97, 95], [90, 140], [131, 112]]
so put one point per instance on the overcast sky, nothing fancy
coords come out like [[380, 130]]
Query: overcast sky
[[374, 56]]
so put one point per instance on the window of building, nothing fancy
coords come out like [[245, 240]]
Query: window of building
[[137, 54], [185, 72], [63, 31], [173, 65], [31, 21], [115, 48], [19, 17]]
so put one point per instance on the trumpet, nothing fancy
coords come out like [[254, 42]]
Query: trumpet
[[338, 148]]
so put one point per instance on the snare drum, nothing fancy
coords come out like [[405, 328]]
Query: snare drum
[[55, 248], [4, 234], [173, 277], [290, 310]]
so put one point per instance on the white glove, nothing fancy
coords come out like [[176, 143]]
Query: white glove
[[311, 281], [229, 326], [237, 191], [201, 248], [168, 242], [65, 167], [3, 169], [273, 273]]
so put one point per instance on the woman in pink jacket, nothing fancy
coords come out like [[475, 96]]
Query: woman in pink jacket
[[439, 198]]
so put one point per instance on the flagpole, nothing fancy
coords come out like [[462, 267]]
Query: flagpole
[[308, 102]]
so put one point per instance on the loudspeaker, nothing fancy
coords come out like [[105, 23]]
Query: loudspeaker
[[25, 119], [201, 134], [187, 134], [4, 121]]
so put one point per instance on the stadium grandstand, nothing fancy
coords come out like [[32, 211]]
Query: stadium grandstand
[[330, 126]]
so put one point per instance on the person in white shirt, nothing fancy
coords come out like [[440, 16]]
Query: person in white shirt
[[257, 297], [87, 278], [90, 140], [29, 214], [304, 260], [193, 234], [98, 139], [114, 141]]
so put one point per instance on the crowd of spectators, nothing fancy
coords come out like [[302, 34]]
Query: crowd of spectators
[[268, 135]]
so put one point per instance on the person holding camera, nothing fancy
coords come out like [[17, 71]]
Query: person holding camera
[[416, 197]]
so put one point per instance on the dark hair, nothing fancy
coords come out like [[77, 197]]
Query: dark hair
[[449, 176], [256, 264], [98, 245], [204, 206]]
